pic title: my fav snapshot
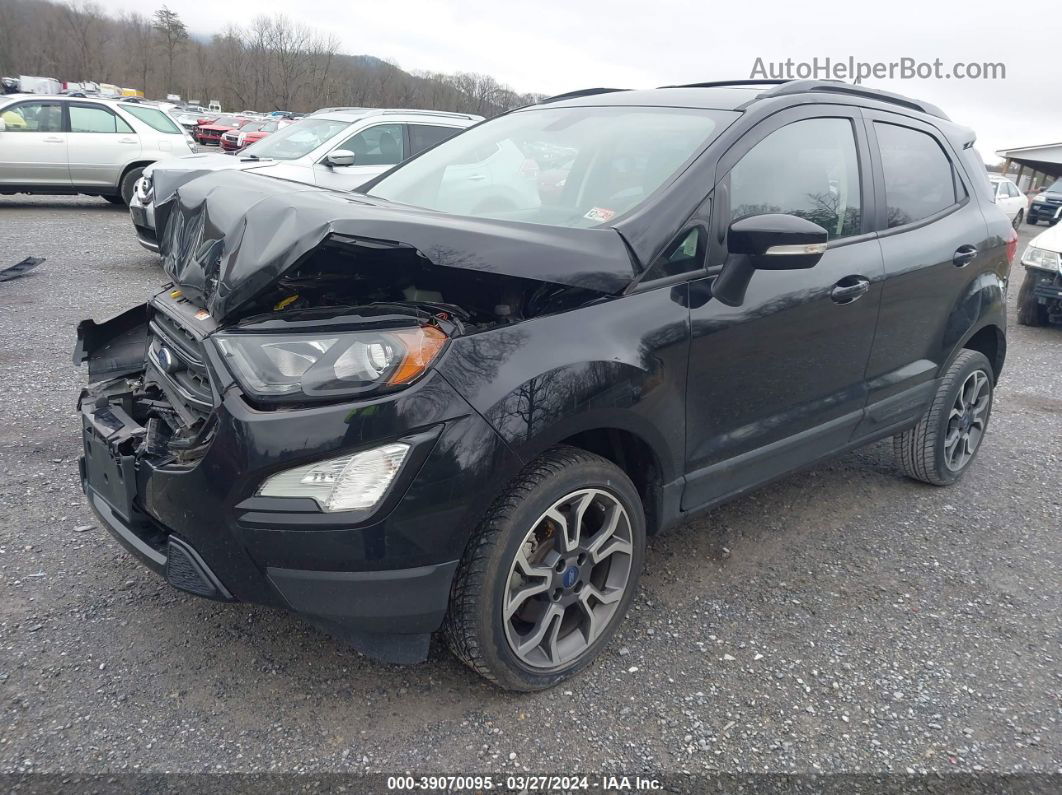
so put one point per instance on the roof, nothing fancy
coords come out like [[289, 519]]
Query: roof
[[715, 98], [353, 114], [736, 95]]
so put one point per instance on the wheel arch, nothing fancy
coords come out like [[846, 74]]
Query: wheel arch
[[991, 341]]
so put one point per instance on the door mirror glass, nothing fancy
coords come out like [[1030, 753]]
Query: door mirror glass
[[340, 157], [777, 242]]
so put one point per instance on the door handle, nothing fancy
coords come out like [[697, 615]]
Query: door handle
[[964, 255], [849, 289], [477, 177], [127, 140], [53, 140]]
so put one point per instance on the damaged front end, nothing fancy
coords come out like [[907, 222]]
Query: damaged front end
[[276, 425]]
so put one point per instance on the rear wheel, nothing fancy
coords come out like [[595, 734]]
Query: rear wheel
[[549, 573], [129, 183], [940, 448], [1030, 311]]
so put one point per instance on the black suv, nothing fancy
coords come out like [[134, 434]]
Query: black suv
[[464, 398]]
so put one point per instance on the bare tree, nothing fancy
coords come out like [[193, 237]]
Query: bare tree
[[172, 34]]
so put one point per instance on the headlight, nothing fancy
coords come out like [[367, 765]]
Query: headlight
[[1040, 197], [240, 139], [326, 365], [1041, 258], [350, 483]]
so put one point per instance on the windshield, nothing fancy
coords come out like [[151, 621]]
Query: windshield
[[152, 117], [1056, 186], [576, 167], [296, 140]]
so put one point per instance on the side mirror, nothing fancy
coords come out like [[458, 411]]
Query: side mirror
[[340, 157], [772, 242]]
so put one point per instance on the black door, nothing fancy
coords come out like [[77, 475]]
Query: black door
[[935, 246], [780, 380]]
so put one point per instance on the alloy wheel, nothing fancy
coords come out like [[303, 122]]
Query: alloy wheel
[[966, 422], [568, 578]]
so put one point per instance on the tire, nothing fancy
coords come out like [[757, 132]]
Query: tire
[[925, 452], [515, 537], [128, 183], [1052, 221], [1030, 311], [1018, 218], [1031, 220], [114, 199]]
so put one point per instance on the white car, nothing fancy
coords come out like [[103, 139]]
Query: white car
[[340, 149], [70, 145], [1040, 296], [1009, 199]]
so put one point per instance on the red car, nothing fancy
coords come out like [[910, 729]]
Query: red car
[[211, 133], [234, 140]]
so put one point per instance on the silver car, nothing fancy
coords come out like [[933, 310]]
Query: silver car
[[340, 149], [69, 145]]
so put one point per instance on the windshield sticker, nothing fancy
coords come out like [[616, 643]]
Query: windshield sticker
[[600, 214]]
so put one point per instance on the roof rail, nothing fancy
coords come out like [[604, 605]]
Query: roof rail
[[584, 92], [837, 87], [423, 112], [727, 83]]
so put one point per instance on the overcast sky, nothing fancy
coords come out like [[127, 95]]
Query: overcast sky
[[552, 46]]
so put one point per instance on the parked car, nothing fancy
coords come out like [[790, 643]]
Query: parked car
[[1009, 199], [394, 418], [1047, 205], [339, 150], [67, 145], [209, 134], [1040, 295], [235, 140]]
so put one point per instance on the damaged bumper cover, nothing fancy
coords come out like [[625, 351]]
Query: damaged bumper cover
[[190, 511]]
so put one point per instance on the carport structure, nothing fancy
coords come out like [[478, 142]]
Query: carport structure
[[1042, 163]]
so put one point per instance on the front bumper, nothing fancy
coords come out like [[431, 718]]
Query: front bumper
[[379, 579], [1044, 211], [142, 213]]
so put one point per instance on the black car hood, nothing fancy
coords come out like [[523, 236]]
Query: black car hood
[[228, 235]]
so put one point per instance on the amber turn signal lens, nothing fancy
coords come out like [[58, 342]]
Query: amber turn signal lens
[[422, 346]]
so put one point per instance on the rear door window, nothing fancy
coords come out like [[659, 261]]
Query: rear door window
[[425, 136], [919, 178], [95, 119]]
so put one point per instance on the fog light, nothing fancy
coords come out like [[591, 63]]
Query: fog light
[[350, 483]]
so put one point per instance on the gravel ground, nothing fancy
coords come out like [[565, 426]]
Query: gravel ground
[[841, 620]]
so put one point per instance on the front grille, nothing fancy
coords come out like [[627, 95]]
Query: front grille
[[178, 366]]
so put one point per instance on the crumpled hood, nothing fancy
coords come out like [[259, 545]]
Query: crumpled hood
[[171, 173], [229, 235]]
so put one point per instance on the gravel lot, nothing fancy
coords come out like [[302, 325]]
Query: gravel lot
[[842, 620]]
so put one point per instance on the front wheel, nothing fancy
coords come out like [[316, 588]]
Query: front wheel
[[1031, 220], [549, 573], [944, 443]]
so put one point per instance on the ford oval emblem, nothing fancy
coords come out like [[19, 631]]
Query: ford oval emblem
[[167, 361]]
